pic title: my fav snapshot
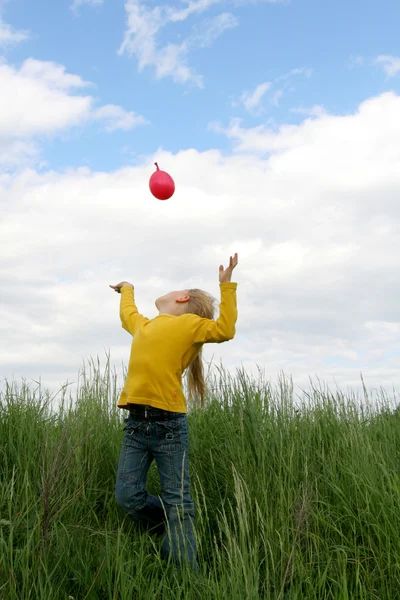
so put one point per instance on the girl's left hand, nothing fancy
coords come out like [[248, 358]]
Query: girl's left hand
[[118, 287], [226, 274]]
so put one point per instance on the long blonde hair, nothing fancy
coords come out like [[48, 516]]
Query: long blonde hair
[[203, 305]]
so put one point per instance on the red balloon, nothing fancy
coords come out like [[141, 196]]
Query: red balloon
[[161, 184]]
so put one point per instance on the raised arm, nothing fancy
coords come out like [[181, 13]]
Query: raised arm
[[223, 328], [131, 319]]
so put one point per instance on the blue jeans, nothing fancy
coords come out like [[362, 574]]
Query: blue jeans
[[167, 442]]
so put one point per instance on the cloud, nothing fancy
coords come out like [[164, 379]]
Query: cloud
[[276, 97], [19, 153], [390, 64], [312, 210], [118, 118], [171, 59], [143, 25], [10, 36], [76, 4], [52, 74], [199, 6], [252, 100], [40, 99], [305, 71], [193, 7], [265, 140], [313, 111], [210, 29]]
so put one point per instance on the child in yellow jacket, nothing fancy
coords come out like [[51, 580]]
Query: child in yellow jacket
[[162, 349]]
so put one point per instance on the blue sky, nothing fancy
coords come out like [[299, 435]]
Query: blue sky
[[280, 123], [267, 41]]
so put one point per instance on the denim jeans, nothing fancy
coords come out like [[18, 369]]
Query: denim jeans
[[167, 442]]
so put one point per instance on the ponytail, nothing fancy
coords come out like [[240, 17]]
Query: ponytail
[[203, 305], [196, 381]]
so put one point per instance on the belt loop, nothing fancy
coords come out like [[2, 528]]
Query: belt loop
[[145, 412]]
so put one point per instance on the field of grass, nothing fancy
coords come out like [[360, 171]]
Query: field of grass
[[290, 503]]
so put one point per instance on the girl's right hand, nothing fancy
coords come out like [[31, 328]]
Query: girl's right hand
[[226, 274], [118, 287]]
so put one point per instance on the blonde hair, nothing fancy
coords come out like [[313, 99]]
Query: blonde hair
[[203, 305]]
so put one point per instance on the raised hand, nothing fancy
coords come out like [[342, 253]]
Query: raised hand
[[226, 274], [117, 288]]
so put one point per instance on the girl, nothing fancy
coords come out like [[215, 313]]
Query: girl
[[156, 428]]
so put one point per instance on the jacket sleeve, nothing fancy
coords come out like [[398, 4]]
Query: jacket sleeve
[[223, 328], [131, 319]]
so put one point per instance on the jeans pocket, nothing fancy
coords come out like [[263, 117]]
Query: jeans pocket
[[169, 436], [132, 433]]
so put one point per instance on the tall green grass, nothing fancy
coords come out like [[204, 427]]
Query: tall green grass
[[293, 500]]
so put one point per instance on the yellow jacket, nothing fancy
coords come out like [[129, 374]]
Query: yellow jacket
[[163, 347]]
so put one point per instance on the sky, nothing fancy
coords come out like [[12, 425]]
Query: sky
[[279, 121]]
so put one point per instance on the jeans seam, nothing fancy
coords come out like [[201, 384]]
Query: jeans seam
[[122, 472], [171, 468]]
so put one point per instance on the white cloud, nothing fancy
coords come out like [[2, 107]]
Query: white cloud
[[35, 99], [276, 97], [140, 39], [171, 60], [193, 7], [51, 74], [315, 222], [199, 6], [10, 36], [252, 99], [312, 111], [38, 99], [118, 118], [305, 71], [390, 64], [264, 140], [76, 4], [17, 153], [210, 29]]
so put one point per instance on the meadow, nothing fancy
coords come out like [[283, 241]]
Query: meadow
[[293, 500]]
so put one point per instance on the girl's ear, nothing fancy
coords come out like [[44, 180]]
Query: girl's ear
[[183, 299]]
